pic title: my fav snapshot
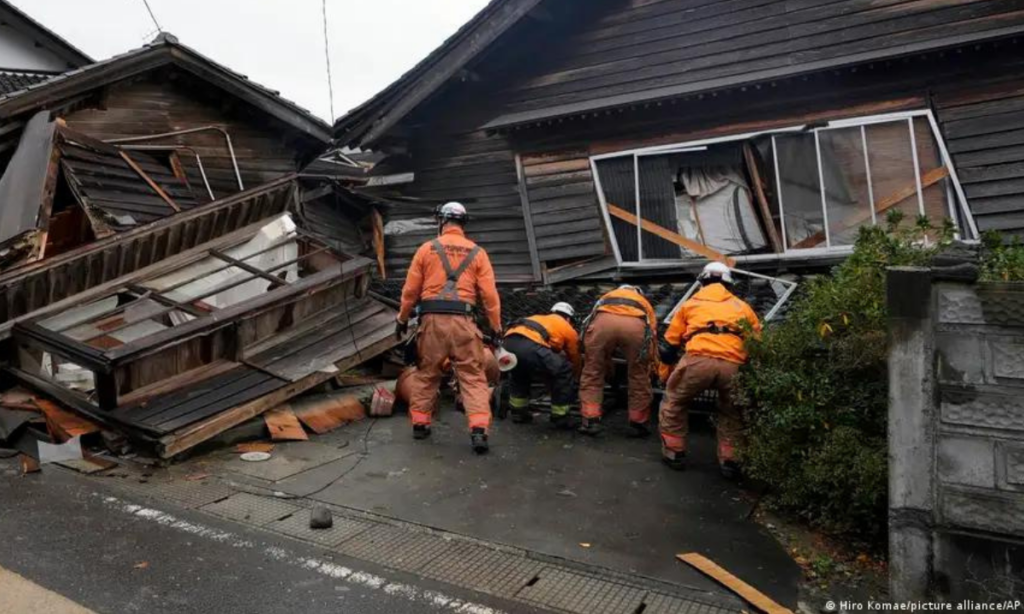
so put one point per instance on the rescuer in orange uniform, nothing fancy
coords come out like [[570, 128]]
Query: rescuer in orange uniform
[[621, 319], [448, 278], [710, 325], [545, 345]]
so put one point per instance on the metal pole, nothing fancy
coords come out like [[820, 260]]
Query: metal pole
[[867, 167], [164, 135], [821, 181], [917, 166], [639, 217], [778, 192]]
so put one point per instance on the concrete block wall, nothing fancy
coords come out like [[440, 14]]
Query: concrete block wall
[[956, 437]]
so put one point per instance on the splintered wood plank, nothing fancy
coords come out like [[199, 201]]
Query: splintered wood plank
[[671, 237], [749, 594], [149, 181], [62, 424], [284, 425], [328, 413]]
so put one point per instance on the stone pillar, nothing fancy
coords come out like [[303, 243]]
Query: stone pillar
[[911, 431]]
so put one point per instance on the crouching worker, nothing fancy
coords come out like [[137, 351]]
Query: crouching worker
[[710, 326], [546, 346], [622, 319], [405, 385], [448, 277]]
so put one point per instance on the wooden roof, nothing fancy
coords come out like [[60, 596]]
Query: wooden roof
[[164, 50], [620, 54]]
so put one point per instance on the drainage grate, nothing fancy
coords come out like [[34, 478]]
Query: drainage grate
[[251, 509], [186, 494], [557, 588], [659, 603], [297, 525], [395, 547], [483, 569]]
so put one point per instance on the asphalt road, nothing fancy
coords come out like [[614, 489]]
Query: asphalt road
[[111, 554]]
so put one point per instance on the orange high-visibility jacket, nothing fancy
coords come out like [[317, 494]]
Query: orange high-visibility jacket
[[426, 277], [626, 310], [713, 305], [562, 337]]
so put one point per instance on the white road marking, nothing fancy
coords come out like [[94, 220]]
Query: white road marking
[[332, 570]]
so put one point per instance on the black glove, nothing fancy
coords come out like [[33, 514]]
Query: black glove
[[401, 328], [668, 353]]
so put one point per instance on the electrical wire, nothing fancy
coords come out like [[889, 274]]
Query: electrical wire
[[327, 55], [153, 16]]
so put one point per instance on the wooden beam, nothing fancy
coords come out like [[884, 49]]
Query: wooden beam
[[531, 233], [275, 282], [378, 243], [195, 434], [149, 181], [749, 594], [671, 237], [927, 180], [762, 199]]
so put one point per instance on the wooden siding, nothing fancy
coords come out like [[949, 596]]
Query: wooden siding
[[985, 135], [480, 171], [650, 49], [168, 100], [564, 207]]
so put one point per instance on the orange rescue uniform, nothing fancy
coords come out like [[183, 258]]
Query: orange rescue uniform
[[711, 326], [444, 337], [562, 337], [631, 327]]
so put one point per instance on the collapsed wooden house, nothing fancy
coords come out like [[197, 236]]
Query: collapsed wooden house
[[115, 144], [165, 270], [201, 341], [640, 133]]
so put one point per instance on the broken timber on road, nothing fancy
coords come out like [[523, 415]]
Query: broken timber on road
[[198, 342]]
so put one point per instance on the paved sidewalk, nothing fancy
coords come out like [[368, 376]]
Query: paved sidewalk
[[550, 519]]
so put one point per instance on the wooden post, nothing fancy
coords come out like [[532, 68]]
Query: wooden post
[[762, 199], [672, 237]]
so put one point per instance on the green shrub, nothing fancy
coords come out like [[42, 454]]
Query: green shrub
[[817, 387], [1001, 261]]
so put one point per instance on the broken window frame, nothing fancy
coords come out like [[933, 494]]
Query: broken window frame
[[790, 288], [967, 231], [223, 331]]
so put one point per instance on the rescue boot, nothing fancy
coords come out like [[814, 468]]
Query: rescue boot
[[478, 438], [674, 460], [638, 430], [591, 427], [560, 416], [521, 415], [730, 470], [420, 431]]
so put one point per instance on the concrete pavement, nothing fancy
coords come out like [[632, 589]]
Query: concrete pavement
[[113, 554]]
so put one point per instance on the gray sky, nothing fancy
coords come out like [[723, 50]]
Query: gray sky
[[277, 43]]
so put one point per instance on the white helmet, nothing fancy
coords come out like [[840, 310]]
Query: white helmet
[[452, 211], [564, 309], [716, 271]]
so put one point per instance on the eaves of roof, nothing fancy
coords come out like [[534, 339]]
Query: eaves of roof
[[163, 51]]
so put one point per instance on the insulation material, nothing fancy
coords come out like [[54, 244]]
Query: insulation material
[[23, 185], [720, 210], [274, 248], [69, 318]]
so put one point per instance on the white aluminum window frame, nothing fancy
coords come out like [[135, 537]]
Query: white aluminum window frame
[[956, 196]]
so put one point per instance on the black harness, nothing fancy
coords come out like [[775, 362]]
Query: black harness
[[448, 301], [647, 348], [713, 329], [536, 327]]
